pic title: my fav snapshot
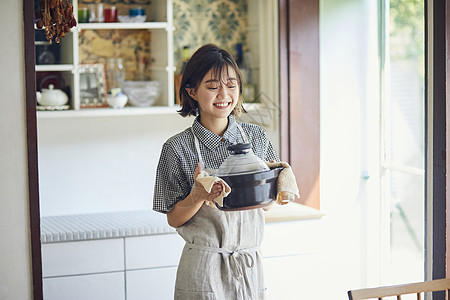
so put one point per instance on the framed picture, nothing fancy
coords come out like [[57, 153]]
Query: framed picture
[[92, 86]]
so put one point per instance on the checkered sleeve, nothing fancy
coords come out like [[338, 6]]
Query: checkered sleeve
[[171, 184]]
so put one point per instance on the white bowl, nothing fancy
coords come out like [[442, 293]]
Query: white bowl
[[132, 19], [142, 93], [117, 101]]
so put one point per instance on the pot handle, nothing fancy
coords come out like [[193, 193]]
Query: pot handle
[[61, 79]]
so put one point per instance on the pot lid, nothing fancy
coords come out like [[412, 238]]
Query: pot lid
[[242, 160]]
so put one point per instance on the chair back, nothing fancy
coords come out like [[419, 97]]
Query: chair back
[[398, 290]]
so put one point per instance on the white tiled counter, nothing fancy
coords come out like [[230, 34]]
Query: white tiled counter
[[134, 255]]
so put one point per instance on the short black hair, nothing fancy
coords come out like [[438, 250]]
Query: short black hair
[[206, 58]]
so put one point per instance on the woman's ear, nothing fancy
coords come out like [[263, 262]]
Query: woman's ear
[[191, 92]]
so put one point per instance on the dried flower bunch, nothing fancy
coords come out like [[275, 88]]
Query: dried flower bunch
[[56, 16]]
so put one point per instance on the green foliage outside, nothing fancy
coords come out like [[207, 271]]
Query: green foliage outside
[[407, 29]]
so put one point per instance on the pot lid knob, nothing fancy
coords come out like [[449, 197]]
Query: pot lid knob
[[240, 148]]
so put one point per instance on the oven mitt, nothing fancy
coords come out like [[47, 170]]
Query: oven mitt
[[207, 181], [287, 188]]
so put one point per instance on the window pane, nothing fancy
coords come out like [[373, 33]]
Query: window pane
[[406, 114], [406, 194], [403, 135]]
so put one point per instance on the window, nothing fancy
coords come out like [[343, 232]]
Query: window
[[402, 140]]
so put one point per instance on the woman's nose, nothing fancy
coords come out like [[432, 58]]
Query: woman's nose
[[221, 93]]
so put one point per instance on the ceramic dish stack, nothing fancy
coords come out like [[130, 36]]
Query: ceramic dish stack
[[142, 93]]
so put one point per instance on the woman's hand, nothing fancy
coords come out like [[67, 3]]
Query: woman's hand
[[199, 193], [185, 209], [284, 198]]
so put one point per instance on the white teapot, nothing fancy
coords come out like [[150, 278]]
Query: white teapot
[[51, 97]]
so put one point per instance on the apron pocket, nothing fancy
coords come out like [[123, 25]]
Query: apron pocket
[[193, 295]]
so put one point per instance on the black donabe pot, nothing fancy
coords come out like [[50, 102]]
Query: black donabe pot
[[249, 191]]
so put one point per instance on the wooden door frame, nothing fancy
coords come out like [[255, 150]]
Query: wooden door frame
[[437, 37], [32, 152], [299, 94]]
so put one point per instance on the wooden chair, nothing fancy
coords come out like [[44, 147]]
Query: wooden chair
[[403, 289]]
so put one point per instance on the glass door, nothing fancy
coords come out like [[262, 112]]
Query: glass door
[[402, 140]]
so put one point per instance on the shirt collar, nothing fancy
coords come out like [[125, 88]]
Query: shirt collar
[[212, 140]]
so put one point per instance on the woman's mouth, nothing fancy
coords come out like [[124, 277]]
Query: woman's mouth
[[222, 104]]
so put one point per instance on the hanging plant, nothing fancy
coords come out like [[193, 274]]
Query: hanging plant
[[56, 16]]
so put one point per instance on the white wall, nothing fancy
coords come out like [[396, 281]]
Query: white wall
[[103, 164], [349, 138], [15, 260]]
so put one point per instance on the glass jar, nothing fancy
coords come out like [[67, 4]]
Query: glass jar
[[114, 73]]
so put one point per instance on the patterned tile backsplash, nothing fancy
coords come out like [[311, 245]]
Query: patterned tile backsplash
[[197, 22]]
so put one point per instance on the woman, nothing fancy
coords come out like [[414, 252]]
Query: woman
[[221, 258]]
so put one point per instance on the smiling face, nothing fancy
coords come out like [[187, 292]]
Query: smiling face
[[216, 97]]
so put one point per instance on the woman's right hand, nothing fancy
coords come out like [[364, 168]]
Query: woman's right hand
[[199, 194], [185, 209]]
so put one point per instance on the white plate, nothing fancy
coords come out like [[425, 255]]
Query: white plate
[[59, 107]]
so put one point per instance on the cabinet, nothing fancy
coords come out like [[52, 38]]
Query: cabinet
[[159, 24], [121, 268]]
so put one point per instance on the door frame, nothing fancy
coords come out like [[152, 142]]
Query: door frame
[[437, 35], [32, 147]]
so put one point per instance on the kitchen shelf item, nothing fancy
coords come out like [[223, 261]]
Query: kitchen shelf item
[[51, 97], [117, 101], [132, 19], [142, 93]]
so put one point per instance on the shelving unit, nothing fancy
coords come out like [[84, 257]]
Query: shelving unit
[[162, 70]]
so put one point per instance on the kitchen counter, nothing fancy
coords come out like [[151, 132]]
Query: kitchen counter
[[139, 223], [103, 225], [291, 212]]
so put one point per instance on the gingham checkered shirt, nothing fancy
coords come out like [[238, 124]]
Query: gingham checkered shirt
[[178, 160]]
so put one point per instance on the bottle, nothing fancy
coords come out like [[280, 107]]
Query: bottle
[[185, 54], [240, 60], [185, 58], [243, 60]]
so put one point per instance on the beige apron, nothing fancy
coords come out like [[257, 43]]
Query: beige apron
[[221, 259]]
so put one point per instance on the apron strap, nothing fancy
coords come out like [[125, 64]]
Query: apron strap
[[197, 147], [239, 259], [197, 144], [244, 135]]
